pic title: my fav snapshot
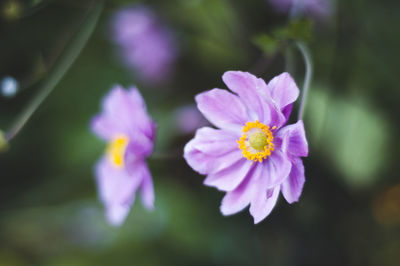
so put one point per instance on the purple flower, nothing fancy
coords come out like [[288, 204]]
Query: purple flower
[[252, 156], [146, 45], [319, 8], [129, 131], [188, 119]]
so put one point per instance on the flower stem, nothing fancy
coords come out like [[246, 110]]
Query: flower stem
[[308, 76], [65, 62]]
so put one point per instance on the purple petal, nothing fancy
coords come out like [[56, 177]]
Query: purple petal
[[254, 93], [247, 86], [293, 185], [104, 128], [215, 142], [129, 23], [188, 119], [229, 178], [142, 119], [139, 147], [283, 91], [262, 205], [147, 190], [146, 45], [238, 199], [205, 163], [124, 112], [294, 140], [223, 109], [276, 168], [287, 110], [118, 107], [117, 187], [128, 111], [116, 213], [212, 150]]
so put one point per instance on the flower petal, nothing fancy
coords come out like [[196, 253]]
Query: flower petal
[[205, 163], [254, 93], [276, 168], [118, 108], [116, 213], [293, 185], [212, 150], [125, 111], [142, 119], [247, 86], [229, 178], [147, 189], [284, 91], [104, 127], [238, 199], [223, 109], [117, 187], [139, 147], [287, 110], [294, 140], [263, 203], [215, 141]]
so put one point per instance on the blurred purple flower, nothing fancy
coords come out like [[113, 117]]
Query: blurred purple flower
[[146, 45], [318, 8], [252, 156], [188, 119], [130, 132]]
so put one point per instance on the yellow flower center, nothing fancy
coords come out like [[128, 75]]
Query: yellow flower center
[[256, 141], [116, 150]]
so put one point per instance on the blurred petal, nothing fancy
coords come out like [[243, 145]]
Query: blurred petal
[[103, 127], [118, 107], [116, 213], [124, 112], [223, 109], [147, 189], [229, 178], [188, 118], [293, 185], [127, 111], [117, 186], [146, 45], [140, 116]]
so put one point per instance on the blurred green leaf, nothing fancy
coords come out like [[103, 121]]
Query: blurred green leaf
[[3, 142], [299, 30], [354, 135], [266, 43]]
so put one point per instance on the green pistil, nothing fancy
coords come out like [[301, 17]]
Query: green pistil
[[258, 141]]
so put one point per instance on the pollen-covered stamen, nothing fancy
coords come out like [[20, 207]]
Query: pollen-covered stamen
[[116, 150], [256, 141]]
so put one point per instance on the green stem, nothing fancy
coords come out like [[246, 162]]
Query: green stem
[[59, 70], [308, 76]]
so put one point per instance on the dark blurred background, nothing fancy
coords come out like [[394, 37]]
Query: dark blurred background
[[349, 212]]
